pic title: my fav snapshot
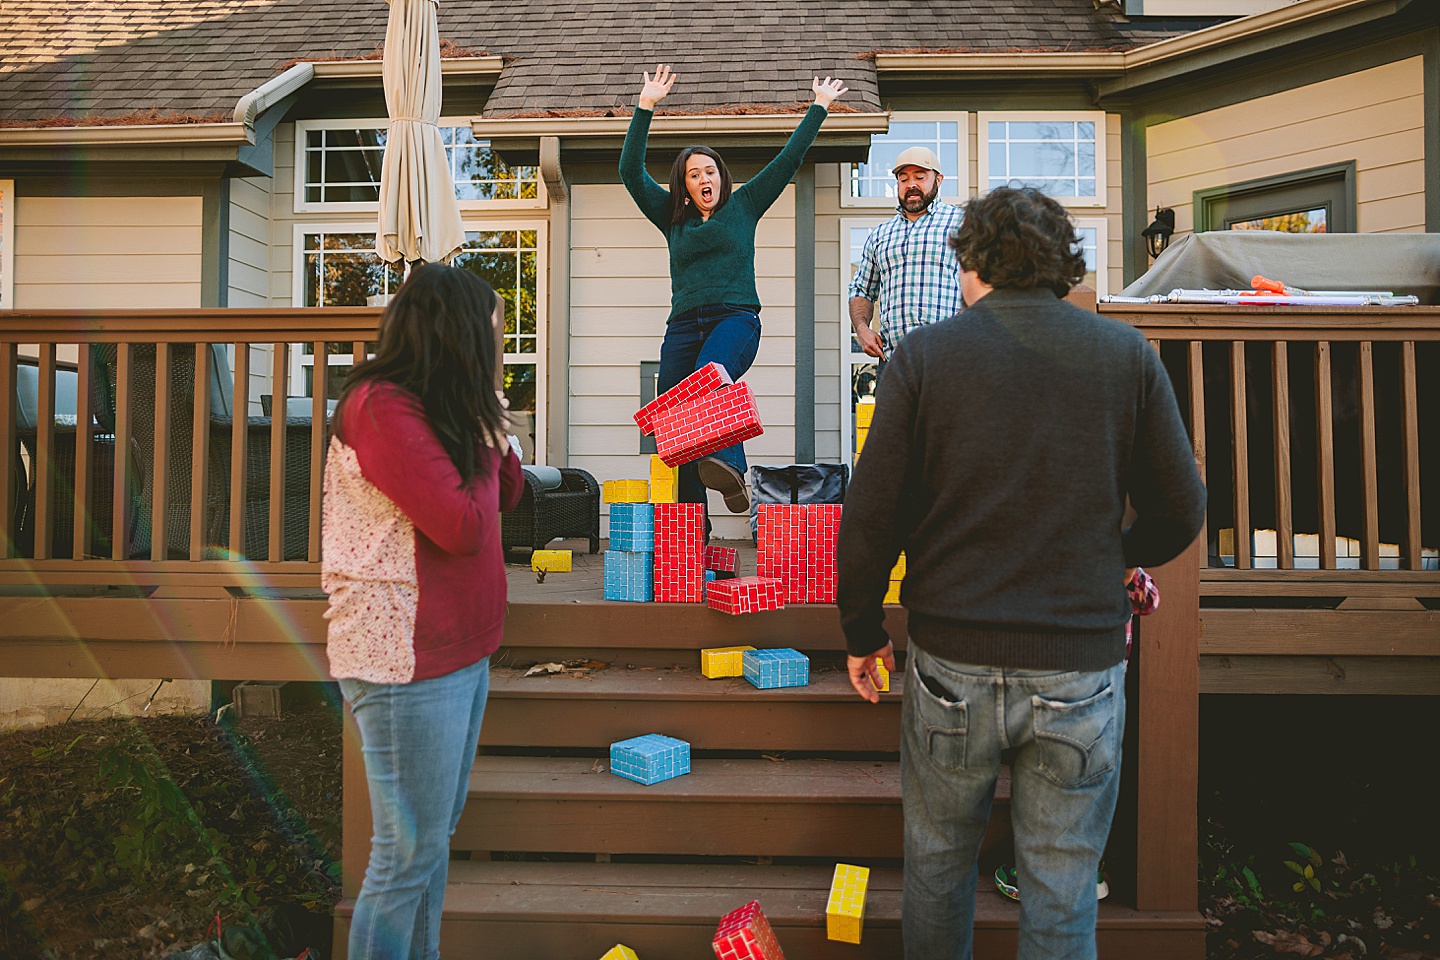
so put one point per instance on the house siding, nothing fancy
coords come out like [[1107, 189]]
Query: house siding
[[1374, 117], [250, 202]]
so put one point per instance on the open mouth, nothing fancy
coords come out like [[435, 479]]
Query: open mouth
[[706, 194]]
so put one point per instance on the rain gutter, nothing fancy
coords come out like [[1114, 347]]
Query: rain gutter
[[557, 401], [530, 128]]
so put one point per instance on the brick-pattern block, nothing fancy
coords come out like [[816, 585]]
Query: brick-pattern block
[[822, 527], [650, 759], [551, 561], [781, 667], [632, 527], [884, 676], [897, 577], [620, 952], [722, 559], [716, 662], [744, 595], [845, 911], [679, 552], [797, 547], [664, 481], [745, 934], [707, 379], [625, 491], [629, 576], [712, 422]]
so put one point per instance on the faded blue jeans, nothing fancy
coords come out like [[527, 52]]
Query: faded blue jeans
[[1066, 728], [418, 741], [720, 333]]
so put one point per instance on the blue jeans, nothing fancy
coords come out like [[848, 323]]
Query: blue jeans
[[719, 333], [1066, 730], [418, 741]]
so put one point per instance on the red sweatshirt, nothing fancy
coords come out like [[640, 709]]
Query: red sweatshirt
[[412, 558]]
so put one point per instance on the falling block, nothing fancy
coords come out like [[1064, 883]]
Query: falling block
[[884, 676], [707, 424], [745, 934], [650, 759], [632, 527], [625, 491], [551, 561], [707, 379], [722, 559], [716, 662], [781, 667], [744, 595], [845, 911], [629, 576], [664, 481], [620, 952]]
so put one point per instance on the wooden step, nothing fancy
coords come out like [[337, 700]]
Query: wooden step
[[596, 709], [574, 910]]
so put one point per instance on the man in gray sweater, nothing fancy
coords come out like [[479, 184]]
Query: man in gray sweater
[[1005, 443]]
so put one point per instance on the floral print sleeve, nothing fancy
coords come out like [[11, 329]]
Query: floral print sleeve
[[1144, 595]]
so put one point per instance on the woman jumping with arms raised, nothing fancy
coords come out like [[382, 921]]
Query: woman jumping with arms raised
[[714, 309]]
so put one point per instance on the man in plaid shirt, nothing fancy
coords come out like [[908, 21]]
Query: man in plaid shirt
[[907, 265]]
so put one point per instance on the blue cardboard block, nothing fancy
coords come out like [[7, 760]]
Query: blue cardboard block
[[632, 527], [783, 667], [629, 576], [650, 759]]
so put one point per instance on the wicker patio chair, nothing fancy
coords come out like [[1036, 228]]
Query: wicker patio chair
[[570, 510]]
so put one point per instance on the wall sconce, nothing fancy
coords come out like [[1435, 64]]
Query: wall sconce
[[1157, 235]]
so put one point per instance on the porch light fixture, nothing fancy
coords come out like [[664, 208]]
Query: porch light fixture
[[1157, 235]]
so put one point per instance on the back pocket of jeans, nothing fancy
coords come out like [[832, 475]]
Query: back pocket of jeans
[[1078, 743], [944, 723]]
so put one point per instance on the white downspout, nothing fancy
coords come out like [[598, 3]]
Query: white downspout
[[557, 429]]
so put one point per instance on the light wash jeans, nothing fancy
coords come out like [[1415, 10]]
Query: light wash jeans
[[418, 741], [1066, 728]]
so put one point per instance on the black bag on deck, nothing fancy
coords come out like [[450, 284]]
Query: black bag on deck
[[795, 483]]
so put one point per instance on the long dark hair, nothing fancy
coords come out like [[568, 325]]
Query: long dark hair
[[436, 341], [678, 211], [1019, 237]]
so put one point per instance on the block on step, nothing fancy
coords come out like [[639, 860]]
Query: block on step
[[884, 676], [745, 934], [629, 576], [845, 911], [650, 759], [552, 561], [619, 952], [716, 662], [744, 595], [780, 667]]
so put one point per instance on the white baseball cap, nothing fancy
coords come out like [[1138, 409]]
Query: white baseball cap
[[917, 157]]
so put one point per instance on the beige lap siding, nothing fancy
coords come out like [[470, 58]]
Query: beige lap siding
[[370, 574]]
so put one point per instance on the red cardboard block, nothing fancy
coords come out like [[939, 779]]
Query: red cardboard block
[[822, 527], [700, 427], [744, 595], [745, 934], [781, 554], [707, 379], [679, 552], [720, 558]]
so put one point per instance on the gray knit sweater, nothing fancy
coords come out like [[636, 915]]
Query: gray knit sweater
[[1004, 443]]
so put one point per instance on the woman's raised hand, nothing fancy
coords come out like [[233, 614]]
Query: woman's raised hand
[[829, 91], [655, 88]]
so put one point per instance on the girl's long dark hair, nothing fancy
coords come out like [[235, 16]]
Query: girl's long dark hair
[[678, 211], [436, 341]]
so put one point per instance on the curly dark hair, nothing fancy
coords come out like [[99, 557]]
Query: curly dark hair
[[1018, 237]]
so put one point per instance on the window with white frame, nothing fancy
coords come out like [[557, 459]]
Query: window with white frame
[[338, 164], [1060, 153], [337, 265], [872, 184], [7, 244], [1094, 237]]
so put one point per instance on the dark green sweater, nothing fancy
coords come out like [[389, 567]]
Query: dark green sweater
[[1004, 443], [713, 261]]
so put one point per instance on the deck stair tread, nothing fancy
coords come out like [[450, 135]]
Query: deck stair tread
[[616, 682]]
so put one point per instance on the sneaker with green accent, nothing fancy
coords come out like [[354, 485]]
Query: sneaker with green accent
[[1007, 885]]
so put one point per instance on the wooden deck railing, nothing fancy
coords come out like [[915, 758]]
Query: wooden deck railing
[[123, 461]]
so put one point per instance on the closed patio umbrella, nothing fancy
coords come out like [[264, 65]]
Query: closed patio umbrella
[[419, 216]]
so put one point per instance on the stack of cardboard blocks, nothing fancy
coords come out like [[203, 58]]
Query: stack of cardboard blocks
[[845, 911], [679, 552], [745, 934], [797, 547], [718, 662], [650, 759], [630, 561], [625, 491], [780, 667], [744, 595], [897, 577], [620, 952], [551, 561], [703, 413]]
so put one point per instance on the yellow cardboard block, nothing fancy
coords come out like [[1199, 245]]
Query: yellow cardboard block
[[892, 596], [626, 491], [864, 413], [553, 561], [664, 481], [884, 676], [845, 911], [898, 571], [620, 952], [860, 434], [716, 662]]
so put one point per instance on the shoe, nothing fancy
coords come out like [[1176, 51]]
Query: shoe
[[719, 475], [1005, 882]]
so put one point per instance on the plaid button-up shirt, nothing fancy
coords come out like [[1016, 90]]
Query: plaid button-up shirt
[[909, 270]]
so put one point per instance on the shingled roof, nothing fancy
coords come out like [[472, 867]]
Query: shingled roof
[[110, 58]]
